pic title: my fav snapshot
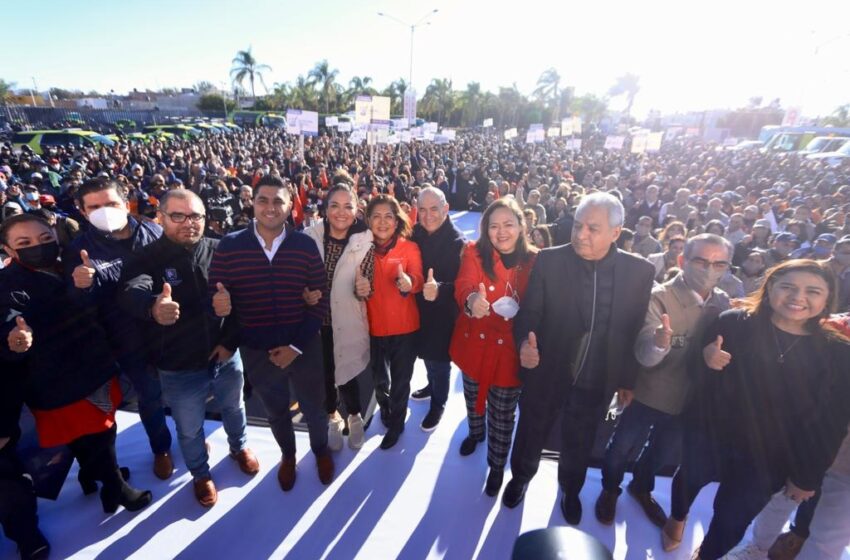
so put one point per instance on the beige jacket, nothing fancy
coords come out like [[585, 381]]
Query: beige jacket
[[663, 381], [349, 320]]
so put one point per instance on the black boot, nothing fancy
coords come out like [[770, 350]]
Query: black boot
[[89, 484], [114, 494], [494, 481]]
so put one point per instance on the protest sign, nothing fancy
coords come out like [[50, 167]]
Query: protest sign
[[363, 109], [331, 121], [344, 127], [510, 133], [566, 127], [614, 142], [487, 123], [653, 141]]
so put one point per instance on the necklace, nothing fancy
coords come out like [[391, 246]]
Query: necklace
[[781, 358]]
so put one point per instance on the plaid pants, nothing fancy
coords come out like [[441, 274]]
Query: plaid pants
[[501, 417]]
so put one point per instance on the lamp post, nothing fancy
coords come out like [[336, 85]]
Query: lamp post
[[422, 21]]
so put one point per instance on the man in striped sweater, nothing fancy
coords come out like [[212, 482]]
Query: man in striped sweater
[[261, 273]]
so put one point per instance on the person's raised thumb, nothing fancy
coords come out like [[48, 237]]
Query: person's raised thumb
[[532, 340], [21, 322], [431, 275], [719, 342], [166, 291], [84, 255], [665, 321], [482, 291], [400, 270], [220, 288]]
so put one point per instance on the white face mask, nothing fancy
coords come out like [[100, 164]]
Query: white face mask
[[506, 306], [108, 219]]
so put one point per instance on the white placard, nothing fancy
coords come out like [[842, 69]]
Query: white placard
[[553, 131], [614, 142], [363, 109], [393, 139], [357, 137], [406, 136], [653, 141], [417, 132], [401, 124], [510, 133], [535, 126], [441, 139], [344, 127], [381, 109], [331, 121], [487, 123], [576, 125], [431, 127], [410, 105], [382, 135], [304, 122], [566, 127], [639, 143], [450, 134], [428, 136]]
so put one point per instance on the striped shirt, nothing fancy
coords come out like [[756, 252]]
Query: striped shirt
[[267, 297]]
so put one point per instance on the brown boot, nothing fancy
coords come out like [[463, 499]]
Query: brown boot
[[163, 466], [650, 507], [205, 492], [606, 507], [325, 466], [286, 474], [672, 534], [786, 547], [248, 462]]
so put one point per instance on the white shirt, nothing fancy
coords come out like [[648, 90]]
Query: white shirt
[[276, 242]]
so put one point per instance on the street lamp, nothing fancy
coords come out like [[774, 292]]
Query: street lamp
[[412, 26]]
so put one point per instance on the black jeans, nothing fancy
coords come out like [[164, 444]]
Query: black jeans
[[17, 501], [581, 412], [698, 468], [349, 392], [392, 367], [96, 455]]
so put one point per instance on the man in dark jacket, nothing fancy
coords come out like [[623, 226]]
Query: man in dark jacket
[[193, 350], [440, 244], [583, 309], [93, 265]]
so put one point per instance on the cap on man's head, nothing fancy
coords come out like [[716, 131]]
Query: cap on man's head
[[786, 237], [827, 238], [762, 223]]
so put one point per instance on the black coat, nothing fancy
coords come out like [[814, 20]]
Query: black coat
[[440, 251], [70, 357], [551, 309]]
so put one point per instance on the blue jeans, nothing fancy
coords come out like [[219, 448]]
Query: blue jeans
[[149, 393], [186, 392], [643, 427], [438, 380]]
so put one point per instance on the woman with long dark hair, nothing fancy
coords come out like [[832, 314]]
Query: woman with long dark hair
[[771, 409], [393, 314], [489, 289]]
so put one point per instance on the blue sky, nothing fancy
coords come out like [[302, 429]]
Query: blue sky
[[689, 55]]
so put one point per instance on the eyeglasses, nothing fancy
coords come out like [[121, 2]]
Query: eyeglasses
[[719, 266], [179, 217]]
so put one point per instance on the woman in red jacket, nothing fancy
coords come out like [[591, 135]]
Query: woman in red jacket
[[489, 289], [393, 315]]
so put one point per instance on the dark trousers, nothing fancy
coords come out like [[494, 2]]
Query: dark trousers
[[272, 386], [96, 455], [438, 380], [698, 468], [17, 502], [804, 515], [392, 367], [742, 494], [581, 412], [149, 392], [349, 392], [644, 428]]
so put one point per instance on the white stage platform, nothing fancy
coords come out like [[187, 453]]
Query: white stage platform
[[420, 499]]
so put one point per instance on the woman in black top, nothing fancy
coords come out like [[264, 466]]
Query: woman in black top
[[774, 406]]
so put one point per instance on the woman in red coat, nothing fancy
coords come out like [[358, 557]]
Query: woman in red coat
[[489, 289]]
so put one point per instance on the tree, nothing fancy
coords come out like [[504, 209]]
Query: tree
[[60, 94], [361, 86], [321, 75], [627, 85], [214, 102], [547, 89], [839, 117], [246, 66], [304, 95], [510, 103], [6, 90], [395, 91], [439, 99], [470, 102], [204, 87], [590, 107]]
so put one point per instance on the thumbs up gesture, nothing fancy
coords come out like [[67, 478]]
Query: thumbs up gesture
[[478, 304], [362, 286], [403, 280], [83, 274], [165, 311], [221, 300], [714, 355], [664, 333], [529, 356], [311, 297], [431, 288], [20, 338]]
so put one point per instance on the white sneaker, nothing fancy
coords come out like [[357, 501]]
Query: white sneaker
[[335, 427], [748, 551], [356, 437]]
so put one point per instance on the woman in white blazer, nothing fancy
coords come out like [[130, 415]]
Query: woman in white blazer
[[346, 249]]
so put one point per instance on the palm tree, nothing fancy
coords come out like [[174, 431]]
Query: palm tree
[[361, 86], [438, 100], [395, 91], [5, 90], [590, 107], [510, 102], [471, 104], [322, 76], [303, 95], [547, 89], [245, 65], [626, 84]]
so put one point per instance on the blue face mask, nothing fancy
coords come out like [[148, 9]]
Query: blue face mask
[[31, 196]]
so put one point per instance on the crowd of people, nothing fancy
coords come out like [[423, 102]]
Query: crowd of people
[[698, 295]]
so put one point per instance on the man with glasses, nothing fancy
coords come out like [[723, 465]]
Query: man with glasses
[[93, 265], [679, 311], [194, 351]]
